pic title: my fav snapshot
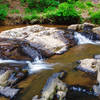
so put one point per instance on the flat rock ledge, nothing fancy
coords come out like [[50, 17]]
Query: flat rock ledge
[[54, 87], [8, 92], [48, 41], [88, 65], [78, 27]]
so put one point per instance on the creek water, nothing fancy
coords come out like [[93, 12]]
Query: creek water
[[34, 83]]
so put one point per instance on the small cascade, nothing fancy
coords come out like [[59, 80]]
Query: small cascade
[[36, 65], [83, 40]]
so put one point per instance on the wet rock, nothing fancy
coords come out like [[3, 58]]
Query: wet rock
[[54, 86], [97, 87], [4, 77], [88, 65], [8, 92], [47, 40], [73, 27], [61, 95], [97, 56], [96, 30], [17, 77], [79, 27], [11, 49]]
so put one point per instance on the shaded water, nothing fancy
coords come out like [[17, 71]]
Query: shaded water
[[33, 84]]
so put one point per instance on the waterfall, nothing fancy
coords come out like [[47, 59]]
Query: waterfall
[[38, 65], [83, 40], [34, 66]]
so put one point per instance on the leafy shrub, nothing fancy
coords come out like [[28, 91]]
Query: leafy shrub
[[95, 17], [66, 14], [23, 1], [80, 4], [49, 9], [41, 3], [3, 14], [3, 11], [14, 11], [31, 16], [89, 4]]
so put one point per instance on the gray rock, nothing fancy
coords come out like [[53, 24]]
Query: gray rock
[[4, 77], [80, 26], [88, 65], [54, 86], [96, 30], [97, 56], [8, 92], [47, 40]]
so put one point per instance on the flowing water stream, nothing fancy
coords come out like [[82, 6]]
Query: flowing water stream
[[33, 84]]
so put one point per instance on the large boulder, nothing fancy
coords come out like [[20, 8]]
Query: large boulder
[[96, 30], [54, 86], [47, 40], [78, 27], [11, 49]]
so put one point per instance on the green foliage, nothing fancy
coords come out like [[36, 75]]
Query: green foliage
[[89, 4], [71, 1], [79, 4], [41, 3], [49, 9], [23, 1], [15, 11], [95, 17], [31, 16], [3, 11], [66, 14], [3, 14]]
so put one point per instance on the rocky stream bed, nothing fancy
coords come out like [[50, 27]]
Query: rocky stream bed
[[50, 62]]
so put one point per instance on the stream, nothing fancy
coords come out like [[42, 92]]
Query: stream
[[40, 70]]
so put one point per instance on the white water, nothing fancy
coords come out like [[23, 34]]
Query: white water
[[83, 40], [36, 65]]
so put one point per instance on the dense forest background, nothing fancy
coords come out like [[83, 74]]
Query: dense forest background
[[51, 11]]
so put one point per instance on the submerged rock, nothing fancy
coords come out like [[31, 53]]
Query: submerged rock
[[54, 86], [47, 40]]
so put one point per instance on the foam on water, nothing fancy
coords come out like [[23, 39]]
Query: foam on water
[[36, 65], [83, 40]]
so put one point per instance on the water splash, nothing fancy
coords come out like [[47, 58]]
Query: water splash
[[83, 40], [38, 65], [33, 67]]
